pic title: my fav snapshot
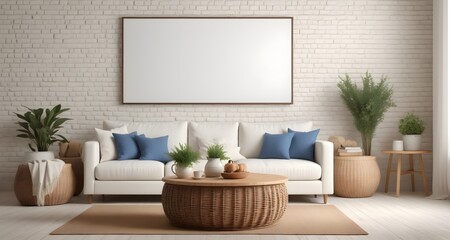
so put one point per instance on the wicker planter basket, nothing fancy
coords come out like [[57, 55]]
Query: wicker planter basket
[[62, 193], [356, 176]]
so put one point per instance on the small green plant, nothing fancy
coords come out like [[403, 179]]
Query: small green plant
[[184, 156], [216, 151], [411, 124], [367, 105], [42, 128]]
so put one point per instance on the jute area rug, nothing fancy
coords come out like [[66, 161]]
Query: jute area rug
[[150, 220]]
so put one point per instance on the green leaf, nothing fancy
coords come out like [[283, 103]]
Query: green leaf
[[23, 124], [22, 135], [32, 149], [59, 122]]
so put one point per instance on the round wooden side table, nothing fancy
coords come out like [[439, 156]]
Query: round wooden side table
[[258, 200], [356, 176], [62, 193], [410, 171]]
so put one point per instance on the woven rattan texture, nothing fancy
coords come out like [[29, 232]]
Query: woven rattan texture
[[225, 208]]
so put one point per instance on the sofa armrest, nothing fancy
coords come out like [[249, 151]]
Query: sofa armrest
[[324, 157], [91, 158]]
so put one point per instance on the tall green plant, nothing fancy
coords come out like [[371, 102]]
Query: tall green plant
[[367, 104], [42, 128]]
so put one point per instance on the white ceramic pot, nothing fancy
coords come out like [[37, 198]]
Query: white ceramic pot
[[182, 172], [31, 156], [412, 142], [213, 167]]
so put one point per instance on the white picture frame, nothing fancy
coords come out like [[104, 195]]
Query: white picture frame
[[207, 60]]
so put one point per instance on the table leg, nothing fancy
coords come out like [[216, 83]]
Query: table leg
[[399, 173], [424, 177], [388, 174], [411, 169]]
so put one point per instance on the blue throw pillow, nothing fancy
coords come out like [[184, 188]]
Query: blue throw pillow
[[153, 148], [126, 146], [276, 145], [302, 146]]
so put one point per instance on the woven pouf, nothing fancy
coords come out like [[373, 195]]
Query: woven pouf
[[224, 208], [62, 193], [356, 176]]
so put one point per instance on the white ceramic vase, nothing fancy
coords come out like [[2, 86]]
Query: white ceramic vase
[[47, 155], [213, 167], [182, 172], [412, 142]]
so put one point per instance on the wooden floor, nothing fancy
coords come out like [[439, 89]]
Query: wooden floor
[[383, 216]]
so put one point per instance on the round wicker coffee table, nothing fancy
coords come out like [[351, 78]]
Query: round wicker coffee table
[[258, 200]]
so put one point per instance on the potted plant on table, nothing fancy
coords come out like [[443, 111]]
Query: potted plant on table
[[411, 127], [184, 158], [41, 126], [360, 176], [215, 153]]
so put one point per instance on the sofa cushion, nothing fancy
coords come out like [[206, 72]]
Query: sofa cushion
[[276, 145], [153, 148], [293, 169], [231, 152], [208, 131], [106, 141], [130, 170], [126, 146], [177, 131], [302, 145], [251, 134]]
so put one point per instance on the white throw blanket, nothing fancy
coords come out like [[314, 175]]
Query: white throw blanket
[[44, 176]]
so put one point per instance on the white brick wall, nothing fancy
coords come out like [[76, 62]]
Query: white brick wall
[[69, 52]]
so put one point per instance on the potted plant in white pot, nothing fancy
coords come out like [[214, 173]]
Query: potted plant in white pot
[[215, 153], [41, 126], [411, 127], [184, 158], [360, 175]]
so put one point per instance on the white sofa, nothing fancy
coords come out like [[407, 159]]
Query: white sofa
[[144, 176]]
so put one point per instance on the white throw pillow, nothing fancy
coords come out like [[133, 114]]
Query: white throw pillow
[[231, 151], [213, 130], [106, 141]]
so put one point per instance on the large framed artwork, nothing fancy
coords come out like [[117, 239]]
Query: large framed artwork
[[207, 60]]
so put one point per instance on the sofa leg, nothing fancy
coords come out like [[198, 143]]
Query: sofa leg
[[325, 198], [89, 199]]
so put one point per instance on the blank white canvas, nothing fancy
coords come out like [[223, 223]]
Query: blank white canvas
[[207, 60]]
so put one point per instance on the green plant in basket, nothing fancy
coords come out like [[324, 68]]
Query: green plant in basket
[[411, 124], [41, 127], [367, 104], [184, 156], [216, 151]]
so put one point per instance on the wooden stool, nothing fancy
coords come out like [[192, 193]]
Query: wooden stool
[[411, 170], [62, 193]]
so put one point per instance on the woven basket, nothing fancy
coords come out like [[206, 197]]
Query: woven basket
[[62, 193], [356, 176], [224, 208]]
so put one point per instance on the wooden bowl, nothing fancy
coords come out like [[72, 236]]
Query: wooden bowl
[[234, 175]]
